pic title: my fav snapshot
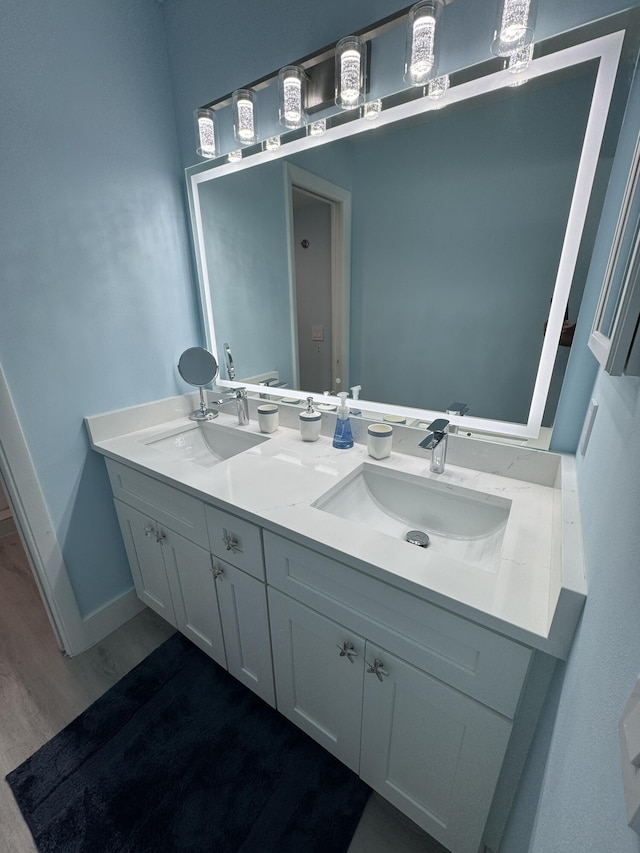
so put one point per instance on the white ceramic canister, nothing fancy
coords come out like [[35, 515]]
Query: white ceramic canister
[[268, 418], [379, 439]]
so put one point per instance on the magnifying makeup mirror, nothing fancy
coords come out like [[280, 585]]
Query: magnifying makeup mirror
[[198, 367]]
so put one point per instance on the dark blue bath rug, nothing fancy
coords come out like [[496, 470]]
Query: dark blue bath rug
[[179, 756]]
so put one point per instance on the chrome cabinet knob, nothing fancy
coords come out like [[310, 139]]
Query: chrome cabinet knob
[[217, 572], [149, 531], [347, 650], [377, 668], [231, 541], [160, 536]]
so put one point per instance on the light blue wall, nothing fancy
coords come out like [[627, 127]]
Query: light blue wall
[[574, 800], [96, 293]]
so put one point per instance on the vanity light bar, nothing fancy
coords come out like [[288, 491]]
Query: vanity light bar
[[337, 74]]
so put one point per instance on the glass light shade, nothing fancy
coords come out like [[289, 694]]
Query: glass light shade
[[272, 143], [317, 128], [372, 110], [205, 125], [420, 48], [292, 93], [244, 122], [514, 26], [438, 87], [520, 59], [350, 72]]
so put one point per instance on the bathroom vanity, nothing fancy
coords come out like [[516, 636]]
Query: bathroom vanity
[[423, 670]]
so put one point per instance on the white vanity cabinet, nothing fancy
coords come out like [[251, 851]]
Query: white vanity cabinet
[[423, 706], [238, 567], [221, 608], [430, 750], [319, 676]]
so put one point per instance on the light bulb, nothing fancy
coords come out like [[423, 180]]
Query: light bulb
[[350, 77], [424, 30], [292, 93], [420, 49], [349, 72], [244, 125]]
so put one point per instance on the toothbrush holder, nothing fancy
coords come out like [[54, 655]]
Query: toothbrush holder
[[379, 439]]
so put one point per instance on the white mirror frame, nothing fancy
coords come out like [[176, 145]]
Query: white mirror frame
[[611, 347], [607, 50]]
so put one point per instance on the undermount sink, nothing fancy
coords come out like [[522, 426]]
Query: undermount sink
[[462, 524], [205, 443]]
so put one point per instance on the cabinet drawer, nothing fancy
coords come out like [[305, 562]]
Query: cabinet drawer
[[470, 658], [236, 541], [168, 506]]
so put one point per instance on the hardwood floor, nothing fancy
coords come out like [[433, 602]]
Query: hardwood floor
[[41, 691]]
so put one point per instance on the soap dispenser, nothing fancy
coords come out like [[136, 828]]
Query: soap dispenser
[[342, 437], [355, 393], [310, 422]]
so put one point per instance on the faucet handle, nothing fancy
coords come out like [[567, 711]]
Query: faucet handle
[[439, 425]]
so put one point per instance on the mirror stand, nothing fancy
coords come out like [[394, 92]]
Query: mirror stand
[[198, 367]]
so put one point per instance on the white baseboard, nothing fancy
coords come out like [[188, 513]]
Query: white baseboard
[[100, 623]]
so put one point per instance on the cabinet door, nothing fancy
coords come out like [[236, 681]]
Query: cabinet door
[[146, 561], [193, 589], [317, 688], [431, 751], [245, 625]]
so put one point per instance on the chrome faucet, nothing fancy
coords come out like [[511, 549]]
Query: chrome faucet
[[231, 371], [239, 396], [436, 442], [271, 382], [456, 409]]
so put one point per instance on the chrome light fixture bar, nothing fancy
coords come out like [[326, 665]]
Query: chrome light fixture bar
[[336, 75]]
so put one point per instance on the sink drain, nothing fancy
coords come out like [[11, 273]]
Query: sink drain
[[417, 537]]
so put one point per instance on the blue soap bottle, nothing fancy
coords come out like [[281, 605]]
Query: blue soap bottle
[[343, 437]]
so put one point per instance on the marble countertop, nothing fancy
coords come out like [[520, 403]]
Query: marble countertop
[[533, 592]]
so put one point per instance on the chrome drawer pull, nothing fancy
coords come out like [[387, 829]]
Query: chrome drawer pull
[[231, 541], [347, 650], [377, 668]]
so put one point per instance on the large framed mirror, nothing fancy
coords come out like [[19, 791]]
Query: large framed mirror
[[436, 255]]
